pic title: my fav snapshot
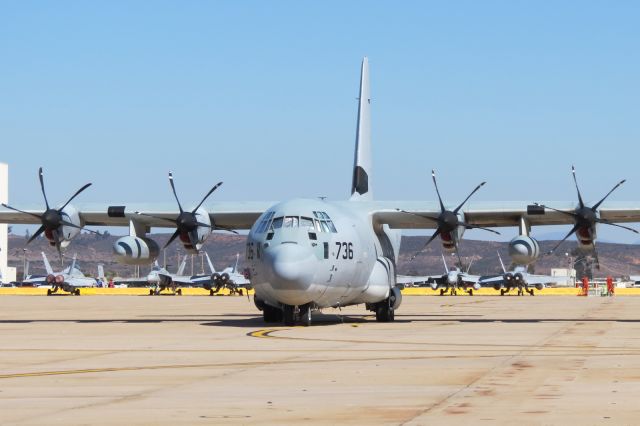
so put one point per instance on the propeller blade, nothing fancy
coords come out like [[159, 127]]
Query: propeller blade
[[56, 238], [469, 196], [606, 222], [435, 219], [225, 228], [36, 234], [74, 196], [572, 214], [573, 230], [433, 237], [433, 176], [46, 202], [173, 237], [216, 186], [469, 226], [573, 172], [594, 208], [173, 188], [193, 238], [39, 216], [156, 217]]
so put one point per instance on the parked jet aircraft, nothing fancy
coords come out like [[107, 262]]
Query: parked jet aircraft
[[70, 279], [518, 278], [160, 279], [454, 279], [307, 254], [229, 278]]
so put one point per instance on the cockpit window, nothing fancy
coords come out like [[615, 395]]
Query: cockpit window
[[291, 221], [277, 223], [306, 223], [264, 223], [323, 222]]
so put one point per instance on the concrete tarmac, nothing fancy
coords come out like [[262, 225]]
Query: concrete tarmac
[[200, 360]]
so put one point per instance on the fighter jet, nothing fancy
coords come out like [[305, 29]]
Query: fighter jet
[[519, 279], [69, 280], [229, 278], [453, 280]]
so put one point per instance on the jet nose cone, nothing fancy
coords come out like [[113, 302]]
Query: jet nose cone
[[292, 266]]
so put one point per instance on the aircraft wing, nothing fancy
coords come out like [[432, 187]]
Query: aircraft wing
[[470, 279], [491, 280], [410, 279], [493, 214], [239, 280], [229, 214]]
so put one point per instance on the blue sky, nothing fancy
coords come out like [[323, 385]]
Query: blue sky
[[262, 95]]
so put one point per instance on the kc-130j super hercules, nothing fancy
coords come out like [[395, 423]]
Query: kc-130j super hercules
[[307, 254]]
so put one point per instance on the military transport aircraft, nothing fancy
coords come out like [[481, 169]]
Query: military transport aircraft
[[307, 254]]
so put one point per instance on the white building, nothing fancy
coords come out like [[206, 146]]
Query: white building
[[6, 274]]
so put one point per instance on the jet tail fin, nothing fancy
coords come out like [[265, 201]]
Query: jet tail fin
[[211, 268], [504, 270], [47, 265], [182, 267], [101, 272], [235, 268], [446, 268], [362, 164]]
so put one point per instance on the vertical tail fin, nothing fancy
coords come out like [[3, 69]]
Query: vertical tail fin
[[362, 165], [47, 265], [446, 268], [183, 265], [211, 268], [504, 270], [235, 268], [101, 272]]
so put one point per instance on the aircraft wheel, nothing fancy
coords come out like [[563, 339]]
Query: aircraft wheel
[[179, 292], [288, 315], [76, 292], [502, 292], [530, 292], [211, 292], [470, 292], [240, 292], [305, 315], [150, 292], [442, 292], [48, 292], [270, 314], [384, 311]]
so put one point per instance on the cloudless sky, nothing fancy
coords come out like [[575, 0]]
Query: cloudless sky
[[262, 95]]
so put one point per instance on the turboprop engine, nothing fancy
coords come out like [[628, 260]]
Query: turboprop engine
[[524, 250], [59, 225], [132, 250]]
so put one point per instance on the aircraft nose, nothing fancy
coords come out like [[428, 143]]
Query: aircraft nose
[[292, 266]]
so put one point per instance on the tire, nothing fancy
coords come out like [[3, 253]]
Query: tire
[[151, 292], [305, 315], [384, 311], [288, 315], [270, 314], [48, 292], [179, 292], [502, 292], [211, 292], [76, 292], [442, 292]]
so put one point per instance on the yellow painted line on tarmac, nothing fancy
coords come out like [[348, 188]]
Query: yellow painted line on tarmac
[[265, 333]]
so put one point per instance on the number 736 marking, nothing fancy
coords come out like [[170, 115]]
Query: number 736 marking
[[346, 249]]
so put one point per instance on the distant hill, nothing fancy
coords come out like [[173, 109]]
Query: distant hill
[[615, 259]]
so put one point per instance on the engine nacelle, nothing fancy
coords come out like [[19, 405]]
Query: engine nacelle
[[135, 250], [539, 286], [524, 250], [202, 216], [586, 238], [66, 233], [518, 278], [450, 239]]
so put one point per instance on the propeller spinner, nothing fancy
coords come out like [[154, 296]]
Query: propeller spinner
[[51, 219]]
